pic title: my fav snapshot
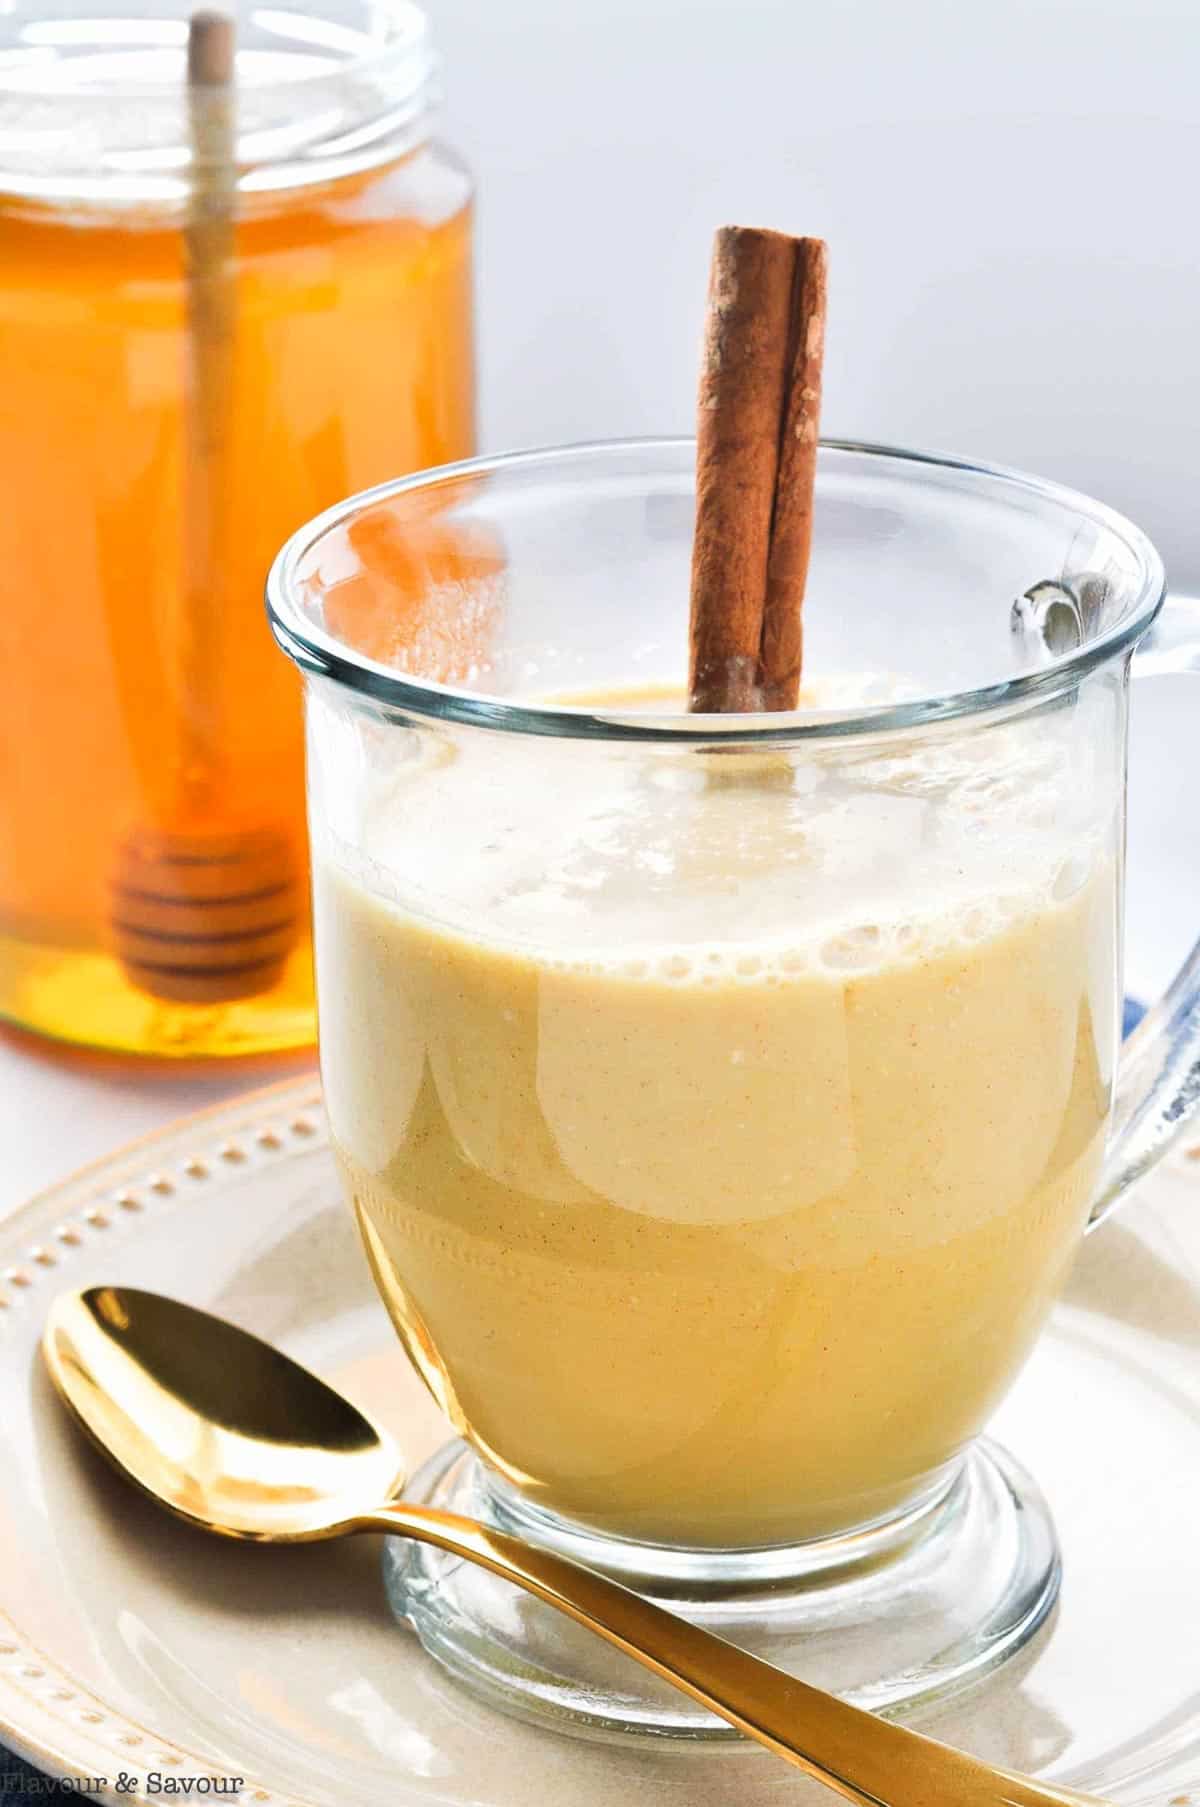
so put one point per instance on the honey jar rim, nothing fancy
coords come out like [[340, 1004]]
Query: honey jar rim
[[93, 109]]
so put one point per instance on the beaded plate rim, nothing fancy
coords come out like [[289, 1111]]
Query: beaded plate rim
[[46, 1715]]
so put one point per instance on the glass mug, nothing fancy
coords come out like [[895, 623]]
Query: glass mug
[[722, 1099]]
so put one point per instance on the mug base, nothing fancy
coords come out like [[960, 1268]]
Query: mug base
[[891, 1616]]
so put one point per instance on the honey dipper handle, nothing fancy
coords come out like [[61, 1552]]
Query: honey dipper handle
[[862, 1758], [211, 328]]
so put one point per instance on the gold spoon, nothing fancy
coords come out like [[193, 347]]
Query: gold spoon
[[234, 1436]]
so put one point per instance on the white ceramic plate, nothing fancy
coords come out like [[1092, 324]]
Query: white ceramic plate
[[128, 1642]]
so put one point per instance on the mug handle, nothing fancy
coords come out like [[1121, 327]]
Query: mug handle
[[1158, 1079]]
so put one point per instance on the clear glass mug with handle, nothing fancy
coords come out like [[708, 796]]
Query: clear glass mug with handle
[[722, 1098]]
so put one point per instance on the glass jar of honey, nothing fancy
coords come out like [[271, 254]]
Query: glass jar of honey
[[222, 309]]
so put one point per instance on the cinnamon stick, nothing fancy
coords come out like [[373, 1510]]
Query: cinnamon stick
[[760, 390], [782, 645]]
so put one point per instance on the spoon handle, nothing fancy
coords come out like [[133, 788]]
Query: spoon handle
[[865, 1759]]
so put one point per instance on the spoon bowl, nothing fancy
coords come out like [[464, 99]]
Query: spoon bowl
[[235, 1437], [216, 1425]]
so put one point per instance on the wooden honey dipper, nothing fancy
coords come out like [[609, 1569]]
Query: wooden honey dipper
[[205, 911]]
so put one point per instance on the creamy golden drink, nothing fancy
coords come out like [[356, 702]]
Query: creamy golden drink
[[720, 1137]]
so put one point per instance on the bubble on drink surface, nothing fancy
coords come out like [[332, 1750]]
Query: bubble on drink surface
[[990, 791], [1070, 878], [854, 950], [977, 922]]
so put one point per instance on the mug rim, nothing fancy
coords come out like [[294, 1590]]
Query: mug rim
[[322, 654]]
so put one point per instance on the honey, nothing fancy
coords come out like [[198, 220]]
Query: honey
[[351, 364]]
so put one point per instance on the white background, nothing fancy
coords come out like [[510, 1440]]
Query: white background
[[1009, 192]]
